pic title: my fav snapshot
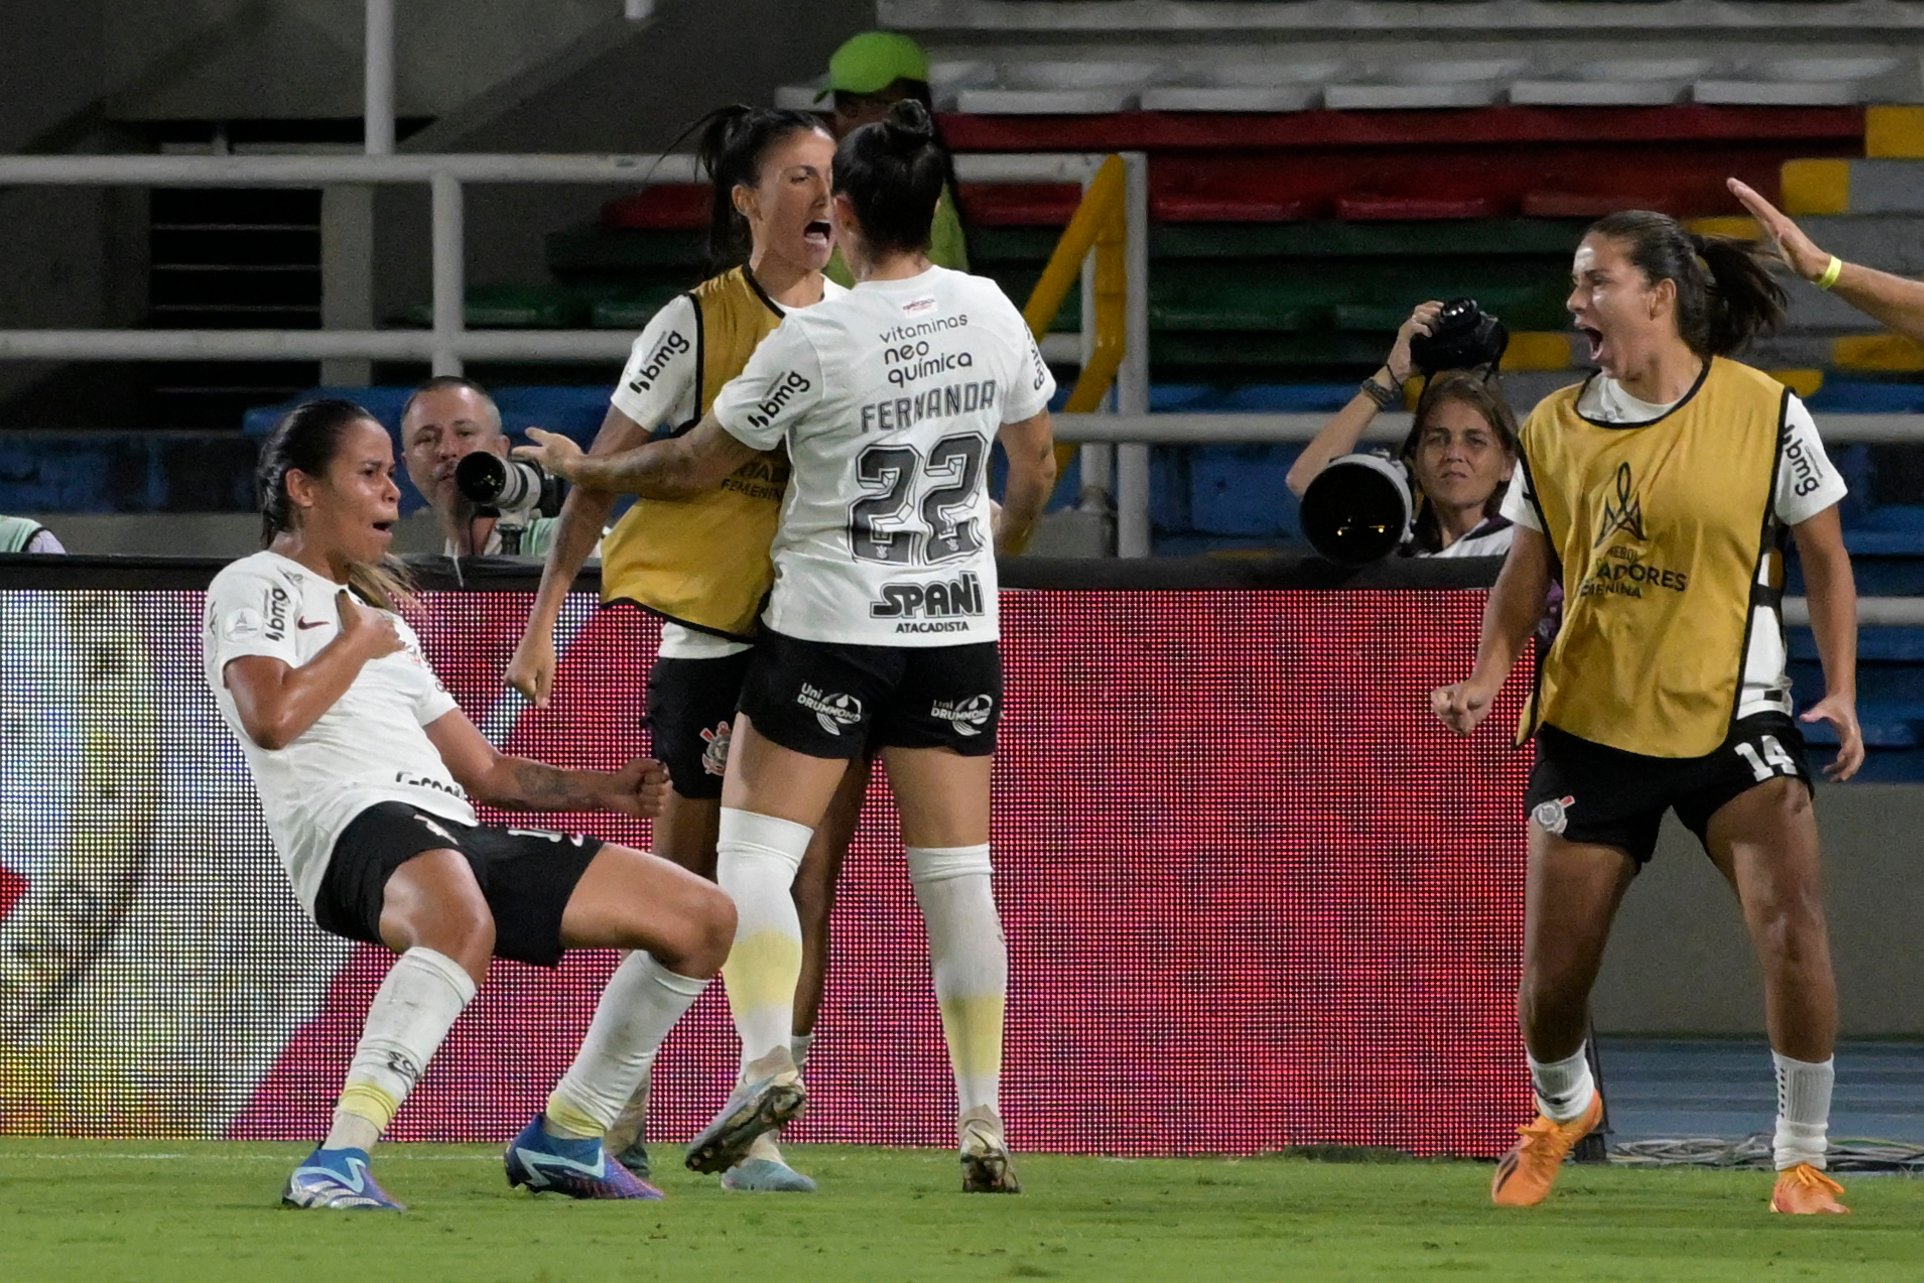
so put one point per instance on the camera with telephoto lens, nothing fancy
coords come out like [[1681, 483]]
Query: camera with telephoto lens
[[513, 491], [1359, 508], [1462, 337]]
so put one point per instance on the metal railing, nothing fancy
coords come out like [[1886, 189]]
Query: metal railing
[[448, 343]]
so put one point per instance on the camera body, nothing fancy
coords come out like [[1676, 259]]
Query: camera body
[[1463, 337], [512, 491]]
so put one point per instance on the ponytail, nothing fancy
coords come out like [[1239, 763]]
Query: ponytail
[[1726, 295], [1744, 299], [893, 172]]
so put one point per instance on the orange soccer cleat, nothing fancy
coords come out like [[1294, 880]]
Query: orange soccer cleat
[[1804, 1191], [1525, 1174]]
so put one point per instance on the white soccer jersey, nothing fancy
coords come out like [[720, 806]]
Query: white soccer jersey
[[370, 747], [657, 390], [889, 399], [1807, 483]]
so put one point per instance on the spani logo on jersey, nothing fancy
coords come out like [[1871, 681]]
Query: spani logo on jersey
[[791, 386], [832, 711], [943, 606]]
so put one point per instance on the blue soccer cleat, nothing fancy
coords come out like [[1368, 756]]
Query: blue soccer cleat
[[771, 1096], [337, 1178], [578, 1168]]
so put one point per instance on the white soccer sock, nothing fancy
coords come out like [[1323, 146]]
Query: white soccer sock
[[798, 1045], [411, 1013], [970, 960], [1803, 1110], [1564, 1087], [757, 857], [631, 1124], [641, 1004]]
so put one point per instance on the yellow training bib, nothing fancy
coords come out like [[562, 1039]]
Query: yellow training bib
[[1661, 529], [703, 561]]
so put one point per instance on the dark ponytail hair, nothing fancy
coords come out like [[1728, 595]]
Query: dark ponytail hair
[[892, 172], [1726, 295], [732, 142], [306, 440]]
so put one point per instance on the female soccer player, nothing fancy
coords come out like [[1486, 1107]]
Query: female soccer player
[[364, 767], [882, 627], [1664, 486], [702, 561], [1461, 448]]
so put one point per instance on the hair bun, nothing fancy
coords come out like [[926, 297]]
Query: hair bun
[[907, 128]]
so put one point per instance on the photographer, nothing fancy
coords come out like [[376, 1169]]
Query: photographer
[[1462, 444], [447, 419]]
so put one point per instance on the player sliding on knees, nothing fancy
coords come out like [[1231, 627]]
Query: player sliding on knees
[[364, 767], [882, 626]]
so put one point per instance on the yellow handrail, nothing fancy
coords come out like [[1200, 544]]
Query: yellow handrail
[[1099, 226]]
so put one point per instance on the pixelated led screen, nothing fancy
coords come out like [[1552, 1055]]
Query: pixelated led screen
[[1255, 897]]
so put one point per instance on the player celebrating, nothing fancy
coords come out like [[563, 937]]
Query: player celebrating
[[364, 767], [1663, 487], [882, 627], [702, 561]]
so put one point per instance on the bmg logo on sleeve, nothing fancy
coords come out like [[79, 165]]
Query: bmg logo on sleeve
[[791, 386]]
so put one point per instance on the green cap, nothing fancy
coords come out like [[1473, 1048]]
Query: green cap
[[873, 61]]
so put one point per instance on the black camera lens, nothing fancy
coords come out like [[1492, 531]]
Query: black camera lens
[[490, 481], [1358, 509]]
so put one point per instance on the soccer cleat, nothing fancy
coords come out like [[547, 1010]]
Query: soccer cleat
[[1804, 1191], [986, 1167], [635, 1158], [337, 1178], [771, 1094], [578, 1168], [1525, 1174], [764, 1171]]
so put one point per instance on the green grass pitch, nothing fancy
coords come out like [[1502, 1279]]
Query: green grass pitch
[[103, 1211]]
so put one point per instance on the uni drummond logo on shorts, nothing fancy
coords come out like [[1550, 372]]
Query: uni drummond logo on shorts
[[967, 716], [1554, 816], [832, 711]]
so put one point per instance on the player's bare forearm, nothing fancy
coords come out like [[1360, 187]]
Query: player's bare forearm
[[1022, 504], [676, 468], [1830, 589], [1514, 607], [583, 514], [520, 784], [1896, 301], [1030, 444], [657, 470]]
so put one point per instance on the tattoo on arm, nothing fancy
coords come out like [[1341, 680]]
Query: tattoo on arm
[[657, 470], [535, 786]]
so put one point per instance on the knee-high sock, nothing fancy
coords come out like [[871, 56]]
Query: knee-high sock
[[411, 1013], [970, 960], [757, 857], [1803, 1110], [641, 1004]]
